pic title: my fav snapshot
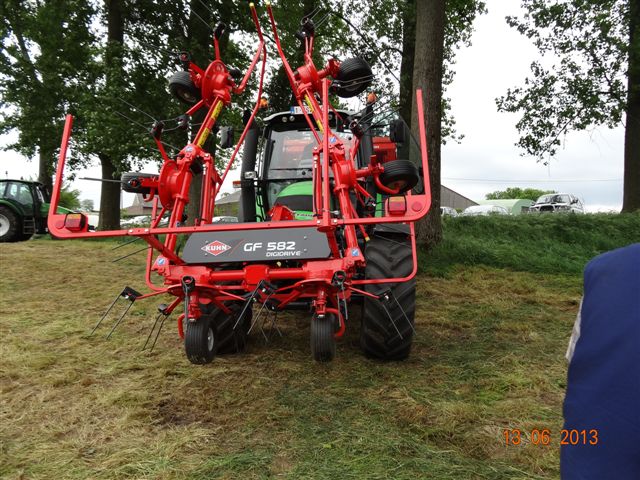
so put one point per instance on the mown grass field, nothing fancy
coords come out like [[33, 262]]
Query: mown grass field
[[488, 356]]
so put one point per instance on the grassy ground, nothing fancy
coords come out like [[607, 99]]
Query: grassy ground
[[488, 356], [533, 243]]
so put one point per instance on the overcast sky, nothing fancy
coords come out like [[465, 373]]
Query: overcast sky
[[590, 164]]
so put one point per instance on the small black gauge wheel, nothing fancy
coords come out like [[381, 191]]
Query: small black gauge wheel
[[323, 342], [401, 175], [200, 340], [354, 76], [131, 182], [181, 86]]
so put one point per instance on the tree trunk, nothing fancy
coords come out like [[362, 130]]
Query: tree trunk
[[427, 75], [45, 172], [406, 67], [109, 197], [631, 196]]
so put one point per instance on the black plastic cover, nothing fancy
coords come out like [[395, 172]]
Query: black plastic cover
[[256, 246]]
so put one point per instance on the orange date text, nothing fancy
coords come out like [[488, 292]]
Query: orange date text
[[515, 437]]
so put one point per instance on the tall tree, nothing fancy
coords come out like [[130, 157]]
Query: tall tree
[[440, 27], [427, 75], [44, 52], [595, 80]]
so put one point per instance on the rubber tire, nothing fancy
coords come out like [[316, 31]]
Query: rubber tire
[[196, 340], [15, 225], [400, 173], [352, 70], [323, 341], [127, 177], [180, 84], [230, 340], [378, 337]]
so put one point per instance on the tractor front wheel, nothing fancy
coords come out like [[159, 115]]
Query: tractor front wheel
[[323, 341], [386, 331], [10, 225]]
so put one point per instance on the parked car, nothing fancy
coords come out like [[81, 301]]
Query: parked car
[[478, 210], [452, 212], [225, 219], [557, 203], [140, 220]]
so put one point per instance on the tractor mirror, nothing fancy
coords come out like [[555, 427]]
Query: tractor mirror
[[226, 137], [397, 131]]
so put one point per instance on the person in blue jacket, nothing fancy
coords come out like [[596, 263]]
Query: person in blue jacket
[[602, 402]]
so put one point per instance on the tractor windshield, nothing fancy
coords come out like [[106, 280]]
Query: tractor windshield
[[290, 153]]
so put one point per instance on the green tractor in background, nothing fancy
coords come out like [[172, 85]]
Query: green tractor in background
[[24, 207]]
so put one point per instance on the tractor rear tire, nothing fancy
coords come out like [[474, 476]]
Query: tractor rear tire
[[10, 225], [353, 78], [200, 340], [379, 338], [25, 236], [181, 86], [400, 174], [128, 187], [323, 341]]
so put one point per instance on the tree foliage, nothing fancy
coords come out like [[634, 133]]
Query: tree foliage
[[517, 192], [592, 78], [382, 39], [45, 48], [586, 86], [70, 197], [87, 205]]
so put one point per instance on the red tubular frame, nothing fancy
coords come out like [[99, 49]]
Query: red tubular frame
[[313, 279]]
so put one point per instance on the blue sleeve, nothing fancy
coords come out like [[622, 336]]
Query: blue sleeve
[[603, 385]]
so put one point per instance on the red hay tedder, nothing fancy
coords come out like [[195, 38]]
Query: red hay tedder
[[343, 239]]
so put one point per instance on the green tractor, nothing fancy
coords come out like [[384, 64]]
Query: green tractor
[[24, 207], [277, 170]]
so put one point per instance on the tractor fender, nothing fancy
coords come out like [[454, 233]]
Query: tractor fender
[[14, 206]]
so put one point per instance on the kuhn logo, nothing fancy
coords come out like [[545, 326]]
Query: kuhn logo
[[216, 248]]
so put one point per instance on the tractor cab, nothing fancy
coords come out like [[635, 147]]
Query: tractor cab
[[277, 166], [23, 209], [285, 166]]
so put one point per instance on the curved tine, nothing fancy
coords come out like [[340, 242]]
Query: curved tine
[[202, 20], [381, 108], [356, 81], [146, 129], [137, 109], [385, 113], [313, 13], [132, 120], [207, 7], [323, 20], [366, 40], [171, 53]]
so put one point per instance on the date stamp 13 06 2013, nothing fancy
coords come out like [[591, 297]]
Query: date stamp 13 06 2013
[[545, 437]]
